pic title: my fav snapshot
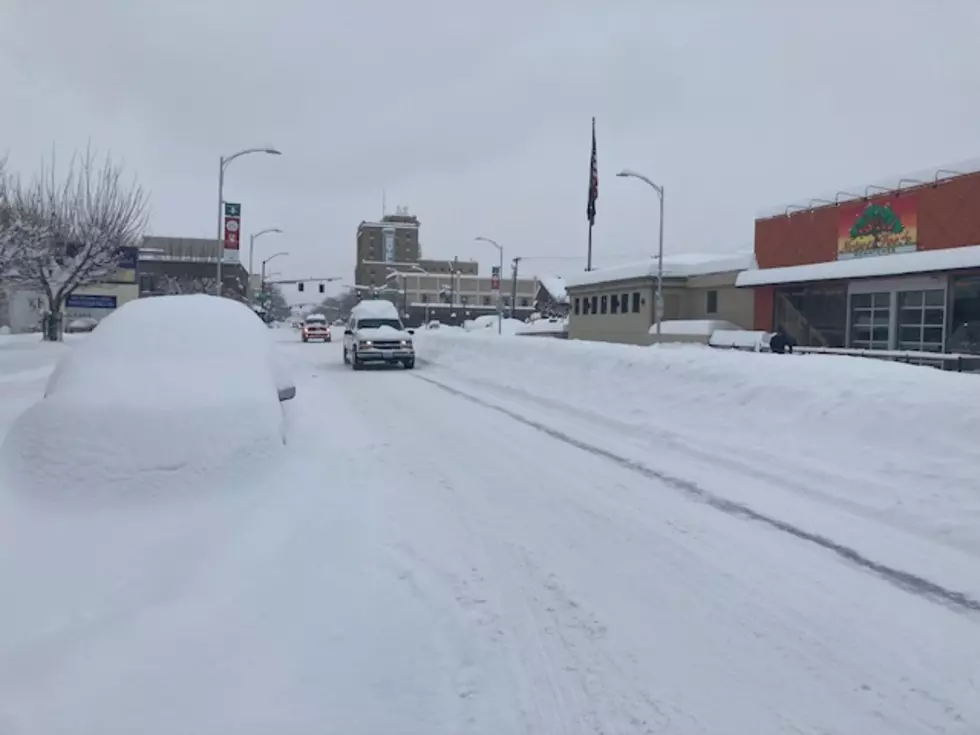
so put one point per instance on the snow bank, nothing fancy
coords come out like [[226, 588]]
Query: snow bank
[[879, 439], [166, 391], [544, 326]]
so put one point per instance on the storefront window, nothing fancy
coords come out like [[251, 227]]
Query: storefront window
[[870, 320], [921, 316], [815, 316], [964, 330]]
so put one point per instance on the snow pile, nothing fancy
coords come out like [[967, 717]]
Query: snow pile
[[487, 326], [691, 327], [375, 309], [879, 438], [742, 339], [544, 326], [4, 331], [165, 391]]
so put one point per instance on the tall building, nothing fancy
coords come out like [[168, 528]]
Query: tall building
[[382, 245]]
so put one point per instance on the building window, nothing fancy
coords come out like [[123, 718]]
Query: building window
[[425, 298], [815, 316], [577, 305], [870, 320], [711, 307], [964, 321], [614, 304], [624, 302], [636, 302], [921, 320], [486, 301], [593, 305], [603, 304], [586, 305], [525, 302]]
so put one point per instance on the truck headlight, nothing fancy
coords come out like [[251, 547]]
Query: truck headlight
[[366, 344]]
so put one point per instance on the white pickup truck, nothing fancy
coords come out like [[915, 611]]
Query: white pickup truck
[[375, 335]]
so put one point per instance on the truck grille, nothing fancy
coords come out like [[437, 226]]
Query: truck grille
[[387, 345]]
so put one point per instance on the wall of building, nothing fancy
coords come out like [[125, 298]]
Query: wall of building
[[25, 307], [731, 304], [948, 216], [373, 254], [629, 328], [466, 290]]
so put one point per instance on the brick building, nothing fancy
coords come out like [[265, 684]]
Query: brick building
[[891, 266]]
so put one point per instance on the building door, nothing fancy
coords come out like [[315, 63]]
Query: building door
[[871, 320], [921, 320]]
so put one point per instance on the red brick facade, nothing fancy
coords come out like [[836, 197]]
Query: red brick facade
[[948, 217]]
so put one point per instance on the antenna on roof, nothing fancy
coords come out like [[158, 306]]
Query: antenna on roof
[[384, 203]]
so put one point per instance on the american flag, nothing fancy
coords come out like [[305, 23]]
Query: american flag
[[593, 181]]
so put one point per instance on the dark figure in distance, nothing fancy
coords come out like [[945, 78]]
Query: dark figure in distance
[[780, 342]]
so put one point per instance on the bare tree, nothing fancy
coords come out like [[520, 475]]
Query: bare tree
[[71, 232]]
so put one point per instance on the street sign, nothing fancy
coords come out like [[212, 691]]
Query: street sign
[[233, 226], [495, 279]]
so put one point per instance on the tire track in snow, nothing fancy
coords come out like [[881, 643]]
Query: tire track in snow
[[904, 580]]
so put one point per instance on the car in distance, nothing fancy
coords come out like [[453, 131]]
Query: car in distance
[[315, 326]]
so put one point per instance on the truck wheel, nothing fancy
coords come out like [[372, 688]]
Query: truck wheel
[[346, 358], [357, 364], [409, 364]]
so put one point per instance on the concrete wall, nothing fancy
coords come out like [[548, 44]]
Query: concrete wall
[[734, 305], [683, 299], [629, 328]]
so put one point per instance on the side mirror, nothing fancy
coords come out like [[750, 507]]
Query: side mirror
[[348, 331], [411, 331], [287, 393]]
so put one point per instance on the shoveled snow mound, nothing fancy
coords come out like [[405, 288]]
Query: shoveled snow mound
[[165, 391], [874, 437]]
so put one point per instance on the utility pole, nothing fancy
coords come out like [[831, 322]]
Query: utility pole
[[513, 286]]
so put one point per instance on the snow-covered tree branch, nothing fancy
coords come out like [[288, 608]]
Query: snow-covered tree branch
[[60, 234]]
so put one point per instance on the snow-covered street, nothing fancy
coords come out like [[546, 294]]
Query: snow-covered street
[[462, 549]]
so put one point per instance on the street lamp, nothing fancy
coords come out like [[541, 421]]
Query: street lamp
[[393, 272], [264, 262], [658, 309], [251, 251], [225, 160], [500, 273]]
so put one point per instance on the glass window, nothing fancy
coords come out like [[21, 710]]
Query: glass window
[[577, 305], [614, 304], [921, 316], [594, 301], [636, 302], [624, 302], [486, 301], [603, 305], [525, 302], [816, 315], [964, 330], [870, 320], [711, 307]]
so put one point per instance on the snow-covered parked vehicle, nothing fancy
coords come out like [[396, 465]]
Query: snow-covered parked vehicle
[[375, 335], [166, 391]]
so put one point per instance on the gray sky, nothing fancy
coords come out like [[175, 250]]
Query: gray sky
[[477, 115]]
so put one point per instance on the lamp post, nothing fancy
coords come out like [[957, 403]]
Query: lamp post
[[658, 308], [401, 274], [225, 160], [251, 251], [264, 262], [500, 273]]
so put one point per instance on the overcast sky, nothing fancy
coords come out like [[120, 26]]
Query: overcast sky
[[476, 115]]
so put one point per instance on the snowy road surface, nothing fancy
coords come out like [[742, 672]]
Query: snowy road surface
[[424, 563]]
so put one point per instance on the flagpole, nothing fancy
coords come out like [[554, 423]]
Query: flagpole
[[588, 265]]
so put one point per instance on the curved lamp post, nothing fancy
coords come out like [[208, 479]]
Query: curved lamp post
[[658, 308]]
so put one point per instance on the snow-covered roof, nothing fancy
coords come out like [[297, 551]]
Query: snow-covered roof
[[376, 308], [882, 186], [555, 285], [682, 265], [923, 261]]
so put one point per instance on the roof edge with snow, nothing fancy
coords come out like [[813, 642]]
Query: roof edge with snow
[[870, 266], [883, 187], [683, 265]]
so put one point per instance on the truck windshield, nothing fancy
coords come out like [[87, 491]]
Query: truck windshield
[[375, 323]]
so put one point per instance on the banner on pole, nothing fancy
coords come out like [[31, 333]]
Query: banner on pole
[[233, 227]]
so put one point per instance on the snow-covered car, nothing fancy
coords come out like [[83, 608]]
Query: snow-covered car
[[166, 391], [375, 335], [81, 325], [315, 326]]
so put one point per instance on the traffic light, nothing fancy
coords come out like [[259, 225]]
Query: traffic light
[[321, 288], [300, 285]]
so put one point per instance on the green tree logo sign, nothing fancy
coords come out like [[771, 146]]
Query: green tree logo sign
[[880, 223]]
